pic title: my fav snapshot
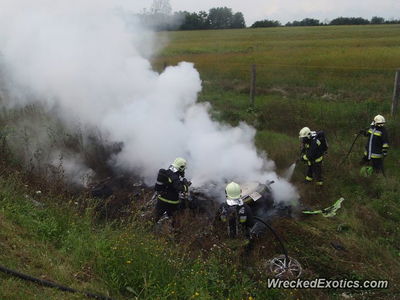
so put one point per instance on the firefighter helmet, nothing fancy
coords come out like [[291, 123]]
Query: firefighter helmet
[[179, 163], [379, 120], [304, 133], [233, 191]]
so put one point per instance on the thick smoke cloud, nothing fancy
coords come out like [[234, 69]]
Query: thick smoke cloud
[[85, 64]]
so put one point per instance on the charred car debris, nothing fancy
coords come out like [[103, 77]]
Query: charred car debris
[[117, 193]]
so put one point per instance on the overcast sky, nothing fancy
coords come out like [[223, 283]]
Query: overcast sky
[[290, 10]]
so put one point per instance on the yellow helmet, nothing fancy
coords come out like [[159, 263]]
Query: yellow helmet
[[304, 132], [233, 191], [179, 163]]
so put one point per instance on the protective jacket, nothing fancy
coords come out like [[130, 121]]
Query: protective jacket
[[313, 149], [170, 183], [377, 144]]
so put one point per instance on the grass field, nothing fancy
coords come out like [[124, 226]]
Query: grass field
[[350, 62], [330, 78]]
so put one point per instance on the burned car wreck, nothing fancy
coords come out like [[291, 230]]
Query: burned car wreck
[[119, 195]]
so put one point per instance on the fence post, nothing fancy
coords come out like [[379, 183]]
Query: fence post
[[253, 85], [396, 94]]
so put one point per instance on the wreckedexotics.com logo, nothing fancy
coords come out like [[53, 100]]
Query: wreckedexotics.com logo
[[323, 283]]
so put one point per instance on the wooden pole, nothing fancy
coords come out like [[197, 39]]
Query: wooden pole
[[253, 85], [396, 94]]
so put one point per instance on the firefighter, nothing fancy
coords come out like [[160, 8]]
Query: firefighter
[[235, 213], [377, 144], [171, 188], [314, 146]]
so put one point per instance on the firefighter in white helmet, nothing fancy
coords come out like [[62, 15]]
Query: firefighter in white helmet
[[314, 146], [171, 188], [377, 144], [235, 213]]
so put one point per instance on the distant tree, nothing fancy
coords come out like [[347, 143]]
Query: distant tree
[[217, 18], [266, 23], [310, 22], [392, 21], [349, 21], [377, 20], [193, 21], [204, 19], [305, 22], [338, 21], [220, 18], [361, 21], [238, 21]]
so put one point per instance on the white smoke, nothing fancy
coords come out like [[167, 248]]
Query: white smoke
[[84, 62]]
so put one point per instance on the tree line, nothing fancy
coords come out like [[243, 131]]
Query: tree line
[[160, 17], [337, 21], [215, 18]]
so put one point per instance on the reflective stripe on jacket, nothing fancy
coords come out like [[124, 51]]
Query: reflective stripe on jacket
[[377, 143], [173, 184]]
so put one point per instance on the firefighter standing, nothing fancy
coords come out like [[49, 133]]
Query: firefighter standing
[[235, 213], [171, 187], [314, 146], [377, 144]]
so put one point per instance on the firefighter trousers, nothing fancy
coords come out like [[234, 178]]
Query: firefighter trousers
[[164, 207], [314, 172]]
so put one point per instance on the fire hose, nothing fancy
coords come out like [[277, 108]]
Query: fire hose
[[275, 234], [351, 147], [283, 266], [51, 284]]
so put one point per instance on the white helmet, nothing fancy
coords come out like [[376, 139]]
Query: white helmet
[[304, 132], [179, 163], [379, 120]]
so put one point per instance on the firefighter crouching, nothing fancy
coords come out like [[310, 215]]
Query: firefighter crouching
[[314, 146], [234, 213], [171, 188], [377, 144]]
